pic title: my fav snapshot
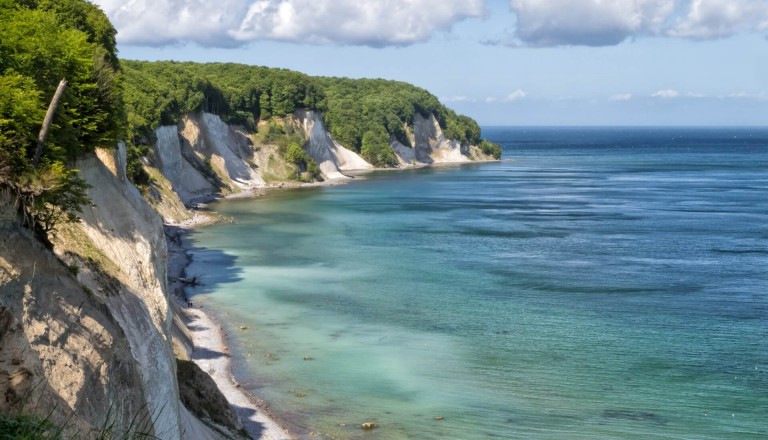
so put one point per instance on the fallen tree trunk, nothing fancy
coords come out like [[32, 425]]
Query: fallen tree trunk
[[48, 121]]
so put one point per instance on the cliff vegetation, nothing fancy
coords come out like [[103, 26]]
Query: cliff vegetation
[[45, 42], [363, 115]]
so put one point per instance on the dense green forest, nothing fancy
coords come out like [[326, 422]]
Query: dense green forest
[[42, 43], [361, 114]]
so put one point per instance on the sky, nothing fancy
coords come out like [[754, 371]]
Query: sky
[[502, 62]]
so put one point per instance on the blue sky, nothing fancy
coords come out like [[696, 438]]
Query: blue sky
[[502, 62]]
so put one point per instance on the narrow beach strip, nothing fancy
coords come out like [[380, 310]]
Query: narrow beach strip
[[212, 356], [210, 351]]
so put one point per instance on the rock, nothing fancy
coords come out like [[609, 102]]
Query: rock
[[243, 327]]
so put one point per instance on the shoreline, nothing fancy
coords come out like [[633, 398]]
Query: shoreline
[[209, 347], [207, 336]]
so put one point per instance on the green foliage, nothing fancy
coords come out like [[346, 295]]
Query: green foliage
[[376, 149], [355, 107], [279, 134], [25, 427], [294, 153], [158, 93], [18, 426], [134, 168], [52, 195], [491, 149], [161, 93], [40, 46], [21, 112], [43, 42], [459, 127]]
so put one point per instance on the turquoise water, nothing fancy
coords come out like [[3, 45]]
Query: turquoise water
[[599, 284]]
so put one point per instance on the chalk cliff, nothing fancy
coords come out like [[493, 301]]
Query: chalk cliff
[[332, 157], [85, 331], [202, 156]]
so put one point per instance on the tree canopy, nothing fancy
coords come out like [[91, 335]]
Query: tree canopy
[[159, 93], [42, 43]]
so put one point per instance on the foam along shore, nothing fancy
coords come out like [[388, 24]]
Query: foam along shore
[[210, 351]]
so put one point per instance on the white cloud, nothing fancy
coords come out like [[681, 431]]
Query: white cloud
[[621, 97], [668, 93], [587, 22], [610, 22], [515, 96], [747, 95], [721, 18], [455, 99], [233, 22], [161, 22]]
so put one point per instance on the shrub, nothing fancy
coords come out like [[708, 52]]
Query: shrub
[[490, 149], [376, 149]]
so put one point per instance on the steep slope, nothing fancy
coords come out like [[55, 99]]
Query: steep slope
[[203, 156], [61, 350], [129, 233], [98, 340], [329, 155], [431, 145]]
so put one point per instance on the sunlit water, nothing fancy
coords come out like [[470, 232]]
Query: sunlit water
[[598, 284]]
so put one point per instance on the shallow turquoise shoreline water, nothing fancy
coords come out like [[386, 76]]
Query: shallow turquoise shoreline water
[[602, 284]]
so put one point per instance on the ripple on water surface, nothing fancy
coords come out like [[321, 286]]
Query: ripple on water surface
[[603, 284]]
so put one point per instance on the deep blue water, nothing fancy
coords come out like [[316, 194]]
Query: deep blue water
[[596, 284]]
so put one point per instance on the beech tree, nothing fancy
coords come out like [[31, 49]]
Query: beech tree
[[42, 42]]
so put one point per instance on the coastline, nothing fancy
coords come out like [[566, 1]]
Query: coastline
[[209, 349]]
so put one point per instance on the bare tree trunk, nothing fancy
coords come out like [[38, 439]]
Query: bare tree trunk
[[48, 121]]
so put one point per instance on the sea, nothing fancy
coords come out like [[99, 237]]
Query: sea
[[597, 283]]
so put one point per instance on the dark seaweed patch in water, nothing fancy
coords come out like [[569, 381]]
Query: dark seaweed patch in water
[[638, 416]]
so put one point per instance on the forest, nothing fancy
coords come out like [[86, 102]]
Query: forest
[[46, 44], [361, 114]]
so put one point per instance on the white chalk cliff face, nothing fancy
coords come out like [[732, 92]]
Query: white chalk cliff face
[[96, 340], [431, 146], [331, 157], [187, 181], [203, 156], [130, 234], [226, 148], [60, 350]]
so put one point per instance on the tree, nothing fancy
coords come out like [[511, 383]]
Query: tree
[[376, 149], [42, 42]]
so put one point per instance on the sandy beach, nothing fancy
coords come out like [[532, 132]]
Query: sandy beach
[[210, 352]]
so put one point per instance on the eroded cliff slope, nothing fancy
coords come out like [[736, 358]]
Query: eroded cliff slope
[[85, 332], [202, 156]]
